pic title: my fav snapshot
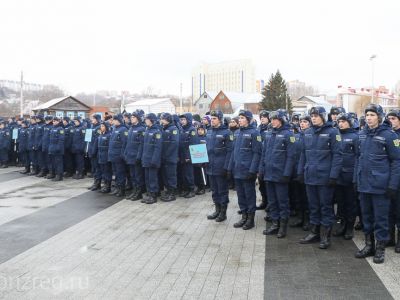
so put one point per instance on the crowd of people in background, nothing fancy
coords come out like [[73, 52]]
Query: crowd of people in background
[[321, 168]]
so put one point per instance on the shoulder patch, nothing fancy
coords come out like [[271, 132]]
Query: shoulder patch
[[338, 138], [99, 131], [193, 133], [83, 131], [61, 131], [158, 136], [292, 139], [231, 137], [396, 142], [258, 138], [175, 132], [126, 133]]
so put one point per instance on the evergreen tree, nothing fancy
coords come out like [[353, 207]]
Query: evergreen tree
[[275, 95]]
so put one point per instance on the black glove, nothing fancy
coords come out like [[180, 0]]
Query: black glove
[[251, 176], [138, 162], [300, 178], [391, 193], [285, 179]]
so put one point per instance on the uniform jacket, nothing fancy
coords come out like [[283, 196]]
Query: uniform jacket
[[134, 144], [219, 148], [152, 147], [117, 144], [56, 140], [170, 146]]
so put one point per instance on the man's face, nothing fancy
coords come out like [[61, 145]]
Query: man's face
[[148, 123], [134, 120], [2, 125], [243, 121], [103, 128], [316, 120], [334, 117], [56, 122], [394, 121], [205, 121], [343, 124], [164, 122], [304, 124], [77, 123], [371, 119], [183, 121], [276, 123], [126, 119], [93, 120], [116, 122], [215, 122], [65, 123], [264, 120]]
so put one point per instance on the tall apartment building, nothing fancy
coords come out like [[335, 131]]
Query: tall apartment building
[[232, 76]]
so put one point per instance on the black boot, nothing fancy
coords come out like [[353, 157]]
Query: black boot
[[369, 248], [215, 214], [273, 229], [96, 185], [242, 221], [222, 214], [190, 194], [115, 191], [397, 247], [50, 175], [138, 194], [263, 204], [298, 222], [67, 174], [25, 171], [325, 237], [121, 192], [106, 188], [57, 178], [183, 193], [201, 190], [359, 225], [78, 175], [282, 228], [306, 224], [152, 198], [42, 173], [392, 241], [341, 229], [379, 256], [349, 234], [33, 171], [170, 196], [249, 222], [312, 237], [133, 194]]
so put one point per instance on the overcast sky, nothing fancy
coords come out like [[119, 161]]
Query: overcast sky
[[130, 45]]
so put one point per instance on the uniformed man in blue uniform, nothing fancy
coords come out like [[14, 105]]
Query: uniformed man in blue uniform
[[45, 147], [23, 151], [68, 156], [5, 144], [219, 141], [169, 156], [92, 152], [320, 165], [103, 142], [116, 151], [151, 157], [31, 146], [345, 194], [394, 218], [244, 163], [37, 146], [56, 149], [78, 147], [377, 175], [277, 161], [133, 156], [263, 128], [187, 137]]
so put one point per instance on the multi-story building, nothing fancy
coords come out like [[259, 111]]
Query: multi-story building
[[232, 76]]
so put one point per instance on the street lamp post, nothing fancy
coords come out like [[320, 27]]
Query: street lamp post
[[372, 59]]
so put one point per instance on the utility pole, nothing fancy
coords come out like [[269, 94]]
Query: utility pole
[[22, 96], [372, 59]]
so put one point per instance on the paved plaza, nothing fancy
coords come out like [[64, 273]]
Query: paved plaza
[[61, 241]]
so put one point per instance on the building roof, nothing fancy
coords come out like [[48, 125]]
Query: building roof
[[243, 98], [150, 101], [55, 101], [211, 95]]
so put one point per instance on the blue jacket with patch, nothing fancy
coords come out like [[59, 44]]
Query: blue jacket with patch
[[187, 137], [320, 159], [348, 152], [219, 149], [78, 139], [134, 144], [278, 154], [92, 147], [152, 147], [56, 140], [46, 137], [378, 162], [117, 145], [170, 146], [246, 152]]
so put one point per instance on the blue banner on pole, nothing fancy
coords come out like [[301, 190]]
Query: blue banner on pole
[[88, 135], [198, 153]]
